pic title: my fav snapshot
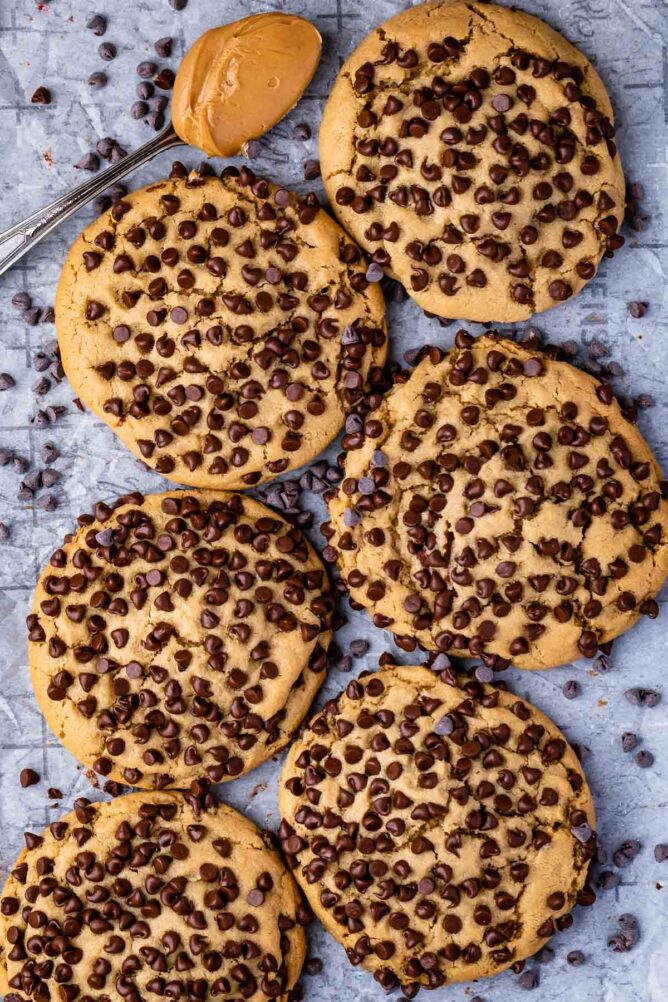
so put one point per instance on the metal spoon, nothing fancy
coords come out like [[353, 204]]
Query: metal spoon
[[20, 238]]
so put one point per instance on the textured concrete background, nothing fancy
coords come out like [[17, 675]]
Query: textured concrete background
[[48, 43]]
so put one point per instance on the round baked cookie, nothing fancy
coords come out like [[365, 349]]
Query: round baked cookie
[[221, 327], [470, 149], [439, 833], [150, 895], [176, 636], [498, 504]]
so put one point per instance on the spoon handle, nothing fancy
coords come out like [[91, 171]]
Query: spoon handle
[[18, 239]]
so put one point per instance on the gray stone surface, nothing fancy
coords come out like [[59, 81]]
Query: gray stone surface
[[48, 43]]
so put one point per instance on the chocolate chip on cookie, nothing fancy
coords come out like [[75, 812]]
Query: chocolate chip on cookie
[[516, 514], [436, 854], [470, 149], [176, 636], [223, 328], [150, 895]]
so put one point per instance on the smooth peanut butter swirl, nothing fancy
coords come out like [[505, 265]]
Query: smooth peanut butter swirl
[[238, 80]]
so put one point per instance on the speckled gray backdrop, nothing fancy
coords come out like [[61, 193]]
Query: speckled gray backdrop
[[48, 44]]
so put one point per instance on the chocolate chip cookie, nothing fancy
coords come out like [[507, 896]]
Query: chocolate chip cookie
[[222, 328], [150, 895], [439, 833], [470, 149], [179, 635], [498, 504]]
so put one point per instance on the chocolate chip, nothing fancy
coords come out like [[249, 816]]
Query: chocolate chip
[[629, 741], [660, 852], [139, 109], [529, 980], [97, 24], [163, 47], [146, 69], [90, 162], [582, 832], [107, 51], [5, 533], [644, 759], [626, 853], [311, 170], [41, 96], [98, 80], [643, 697], [571, 689], [6, 381], [638, 309], [178, 4], [28, 777], [575, 958], [627, 936], [21, 301], [302, 131]]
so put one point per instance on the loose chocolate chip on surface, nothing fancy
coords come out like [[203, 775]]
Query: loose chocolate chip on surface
[[97, 24], [107, 51], [28, 777], [638, 309], [41, 96]]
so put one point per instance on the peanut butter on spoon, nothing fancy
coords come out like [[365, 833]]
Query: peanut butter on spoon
[[238, 80]]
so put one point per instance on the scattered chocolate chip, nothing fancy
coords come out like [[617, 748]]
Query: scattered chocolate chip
[[98, 80], [97, 24], [627, 936], [164, 79], [302, 131], [146, 69], [90, 162], [358, 648], [575, 958], [144, 90], [629, 741], [529, 980], [313, 966], [6, 381], [645, 759], [311, 170], [22, 301], [607, 880], [4, 532], [28, 777], [643, 697], [163, 47], [638, 309], [47, 502], [139, 109], [53, 793], [41, 96], [253, 149], [178, 4], [107, 51], [31, 316], [571, 689], [661, 852], [626, 853]]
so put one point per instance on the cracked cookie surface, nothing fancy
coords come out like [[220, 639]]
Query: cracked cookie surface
[[181, 635], [151, 894], [498, 504], [221, 327], [440, 833], [470, 149]]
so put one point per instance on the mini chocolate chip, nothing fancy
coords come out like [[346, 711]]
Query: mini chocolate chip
[[41, 96], [97, 24]]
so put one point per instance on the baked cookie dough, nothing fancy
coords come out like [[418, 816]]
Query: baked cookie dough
[[498, 504], [176, 636], [439, 833], [470, 149], [150, 895], [222, 328]]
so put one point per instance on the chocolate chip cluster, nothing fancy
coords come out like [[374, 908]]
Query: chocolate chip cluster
[[222, 327], [439, 833], [179, 635], [498, 504], [483, 175], [150, 895]]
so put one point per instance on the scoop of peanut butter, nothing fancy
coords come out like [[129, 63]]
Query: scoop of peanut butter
[[237, 81]]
